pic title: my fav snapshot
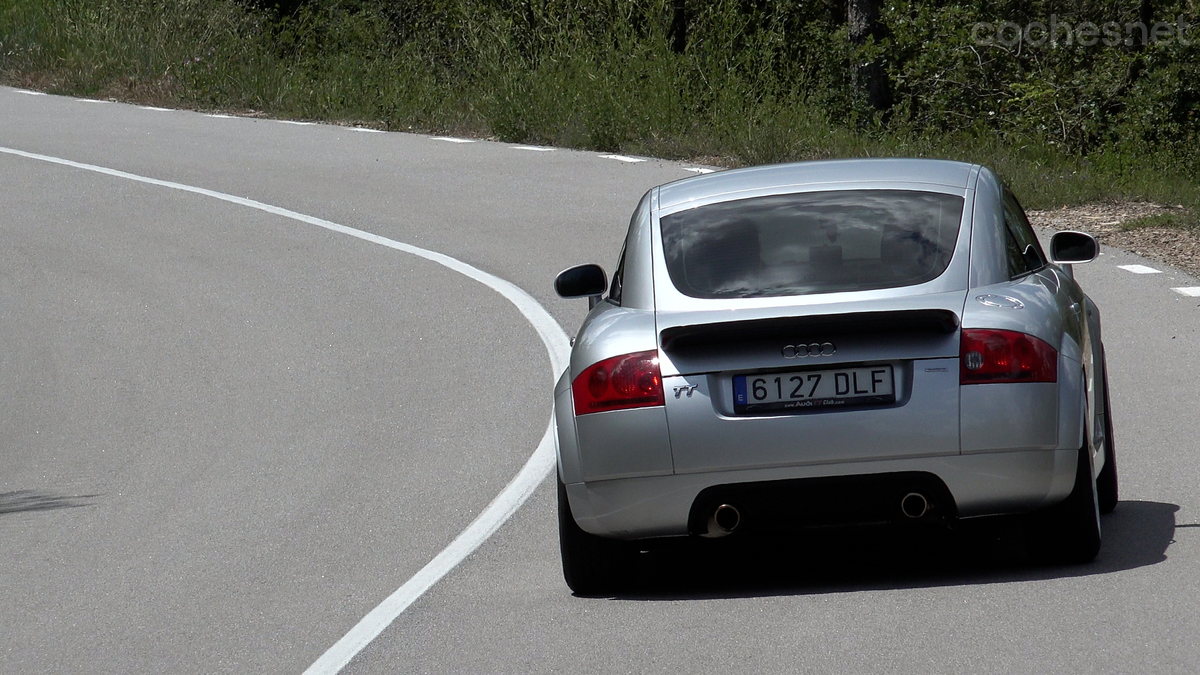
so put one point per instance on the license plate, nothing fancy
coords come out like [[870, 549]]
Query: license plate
[[810, 389]]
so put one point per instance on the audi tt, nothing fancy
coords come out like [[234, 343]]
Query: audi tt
[[832, 343]]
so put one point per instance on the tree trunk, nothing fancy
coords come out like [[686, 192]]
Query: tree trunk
[[677, 34], [868, 79], [1146, 18]]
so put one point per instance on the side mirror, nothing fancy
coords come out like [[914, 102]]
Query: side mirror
[[1073, 247], [582, 281]]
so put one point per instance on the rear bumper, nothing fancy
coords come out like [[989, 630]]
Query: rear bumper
[[980, 484]]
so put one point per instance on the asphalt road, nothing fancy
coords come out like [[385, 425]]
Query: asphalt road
[[227, 435]]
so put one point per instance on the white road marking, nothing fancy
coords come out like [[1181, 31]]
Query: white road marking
[[220, 116], [496, 514], [539, 465], [299, 124], [1139, 269], [91, 100], [451, 139], [533, 148], [1190, 291], [30, 93], [696, 169], [150, 107], [369, 131], [623, 158]]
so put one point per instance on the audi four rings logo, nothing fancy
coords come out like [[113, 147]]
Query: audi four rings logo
[[810, 349]]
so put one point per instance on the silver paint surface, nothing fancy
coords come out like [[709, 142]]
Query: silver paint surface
[[1000, 448]]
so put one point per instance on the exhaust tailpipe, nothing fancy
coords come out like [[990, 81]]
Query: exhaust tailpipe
[[914, 505], [725, 519]]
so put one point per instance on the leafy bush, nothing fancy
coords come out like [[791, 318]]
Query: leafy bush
[[748, 81]]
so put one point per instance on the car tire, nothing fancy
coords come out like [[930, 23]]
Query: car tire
[[1069, 532], [1106, 482], [591, 565]]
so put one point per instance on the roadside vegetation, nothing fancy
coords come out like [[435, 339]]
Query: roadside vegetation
[[728, 82]]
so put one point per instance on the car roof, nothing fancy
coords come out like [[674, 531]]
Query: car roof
[[826, 172]]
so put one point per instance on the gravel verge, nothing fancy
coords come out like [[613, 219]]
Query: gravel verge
[[1114, 225]]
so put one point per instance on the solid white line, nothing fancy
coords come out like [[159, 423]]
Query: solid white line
[[451, 139], [496, 514], [502, 507], [622, 158], [534, 148], [1139, 269], [1190, 291]]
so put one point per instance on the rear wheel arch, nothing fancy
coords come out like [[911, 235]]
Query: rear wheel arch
[[591, 565], [566, 439], [1069, 531], [1106, 479], [1073, 403]]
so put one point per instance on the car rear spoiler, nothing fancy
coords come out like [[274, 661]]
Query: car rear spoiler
[[683, 338]]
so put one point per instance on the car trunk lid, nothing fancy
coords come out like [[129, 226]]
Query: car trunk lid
[[877, 380]]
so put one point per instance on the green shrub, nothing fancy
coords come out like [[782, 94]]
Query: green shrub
[[755, 81]]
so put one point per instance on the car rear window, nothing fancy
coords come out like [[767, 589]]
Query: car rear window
[[811, 242]]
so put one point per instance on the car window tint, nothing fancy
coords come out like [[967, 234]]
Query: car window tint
[[618, 280], [1024, 251], [1015, 255], [811, 242]]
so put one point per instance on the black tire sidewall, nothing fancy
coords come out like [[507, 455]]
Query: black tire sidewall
[[591, 565], [1069, 532], [1107, 483]]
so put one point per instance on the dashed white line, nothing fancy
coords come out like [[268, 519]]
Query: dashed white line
[[219, 116], [30, 93], [623, 158], [150, 107], [299, 124], [533, 148], [1139, 269], [1190, 291], [368, 131], [539, 465], [91, 100], [696, 169], [451, 139]]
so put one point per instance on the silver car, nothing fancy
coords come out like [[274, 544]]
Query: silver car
[[831, 343]]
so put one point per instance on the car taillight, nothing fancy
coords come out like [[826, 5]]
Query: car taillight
[[1005, 356], [627, 381]]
